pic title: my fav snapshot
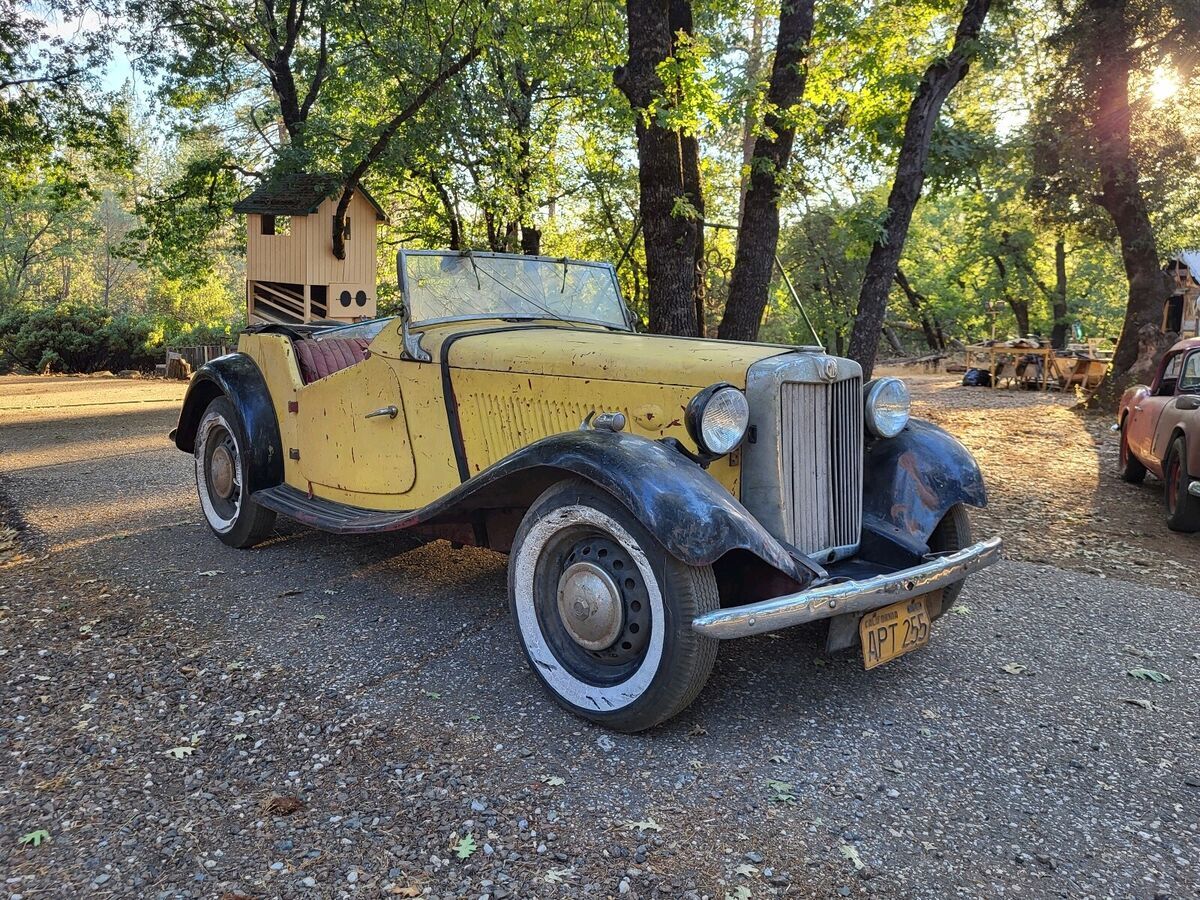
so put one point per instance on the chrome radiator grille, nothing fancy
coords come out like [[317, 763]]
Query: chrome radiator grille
[[821, 447]]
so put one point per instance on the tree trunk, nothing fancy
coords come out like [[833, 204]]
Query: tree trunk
[[917, 302], [453, 220], [1062, 322], [936, 84], [758, 236], [1120, 194], [531, 240], [689, 150], [670, 238], [1020, 308], [754, 66], [889, 334]]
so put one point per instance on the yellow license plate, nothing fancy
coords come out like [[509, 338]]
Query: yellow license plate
[[892, 631]]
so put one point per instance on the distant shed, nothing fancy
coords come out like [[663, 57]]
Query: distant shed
[[292, 275], [1181, 313]]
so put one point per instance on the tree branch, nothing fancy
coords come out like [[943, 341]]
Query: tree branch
[[384, 138]]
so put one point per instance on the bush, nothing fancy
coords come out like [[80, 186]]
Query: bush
[[76, 337]]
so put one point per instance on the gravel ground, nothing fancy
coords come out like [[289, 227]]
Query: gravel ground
[[328, 717]]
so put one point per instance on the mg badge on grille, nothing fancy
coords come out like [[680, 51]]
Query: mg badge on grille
[[830, 370]]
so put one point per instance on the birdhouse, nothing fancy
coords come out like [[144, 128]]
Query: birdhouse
[[1181, 312], [292, 274]]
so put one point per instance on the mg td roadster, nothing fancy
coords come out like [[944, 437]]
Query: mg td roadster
[[656, 495]]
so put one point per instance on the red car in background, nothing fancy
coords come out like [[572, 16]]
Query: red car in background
[[1160, 433]]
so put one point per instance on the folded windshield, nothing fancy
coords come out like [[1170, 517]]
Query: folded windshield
[[449, 285]]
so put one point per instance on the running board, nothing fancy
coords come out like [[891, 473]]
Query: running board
[[327, 515]]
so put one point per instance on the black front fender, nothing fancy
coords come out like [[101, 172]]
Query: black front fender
[[685, 508], [237, 377], [911, 481]]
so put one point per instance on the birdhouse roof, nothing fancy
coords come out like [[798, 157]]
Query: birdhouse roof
[[1191, 259], [299, 195]]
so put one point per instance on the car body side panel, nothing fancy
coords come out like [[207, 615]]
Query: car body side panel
[[1145, 418], [500, 412], [344, 443], [911, 481], [431, 473], [1173, 422]]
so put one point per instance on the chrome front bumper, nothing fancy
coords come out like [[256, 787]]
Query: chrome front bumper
[[847, 597]]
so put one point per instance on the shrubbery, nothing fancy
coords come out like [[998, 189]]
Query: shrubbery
[[78, 338]]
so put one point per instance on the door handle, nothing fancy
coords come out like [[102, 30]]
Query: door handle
[[390, 411], [1137, 409]]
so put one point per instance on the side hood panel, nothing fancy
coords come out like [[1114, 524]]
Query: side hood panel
[[591, 354]]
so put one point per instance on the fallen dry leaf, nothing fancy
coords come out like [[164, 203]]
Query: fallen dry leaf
[[284, 805]]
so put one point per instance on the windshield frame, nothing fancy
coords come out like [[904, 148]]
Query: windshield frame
[[406, 312]]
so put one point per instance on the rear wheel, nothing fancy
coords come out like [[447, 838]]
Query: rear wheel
[[952, 533], [604, 613], [1183, 509], [1131, 467], [223, 482]]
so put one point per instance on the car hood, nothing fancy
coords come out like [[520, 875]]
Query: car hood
[[606, 355]]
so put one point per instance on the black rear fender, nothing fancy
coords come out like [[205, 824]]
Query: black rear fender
[[237, 377]]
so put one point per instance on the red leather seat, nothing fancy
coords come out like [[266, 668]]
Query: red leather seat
[[321, 358]]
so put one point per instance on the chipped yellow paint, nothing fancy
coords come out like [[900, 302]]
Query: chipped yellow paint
[[511, 388], [503, 412], [340, 447], [649, 415], [605, 355]]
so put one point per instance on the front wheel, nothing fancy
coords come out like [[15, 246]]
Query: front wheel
[[604, 613], [223, 482], [1183, 508], [952, 533]]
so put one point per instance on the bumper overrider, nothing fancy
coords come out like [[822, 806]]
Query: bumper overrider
[[841, 598]]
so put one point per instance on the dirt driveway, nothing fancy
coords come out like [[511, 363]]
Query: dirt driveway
[[329, 717]]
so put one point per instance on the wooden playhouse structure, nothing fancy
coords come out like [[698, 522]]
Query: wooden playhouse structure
[[292, 275], [1181, 312]]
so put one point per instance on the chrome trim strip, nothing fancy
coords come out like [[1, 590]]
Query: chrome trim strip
[[1194, 488], [848, 597]]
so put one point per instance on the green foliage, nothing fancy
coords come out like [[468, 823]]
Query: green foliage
[[34, 838], [531, 146], [464, 847], [74, 337]]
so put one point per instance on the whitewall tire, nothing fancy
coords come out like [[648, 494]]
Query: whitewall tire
[[604, 613], [222, 482]]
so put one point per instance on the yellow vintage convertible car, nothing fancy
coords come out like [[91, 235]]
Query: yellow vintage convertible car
[[655, 495]]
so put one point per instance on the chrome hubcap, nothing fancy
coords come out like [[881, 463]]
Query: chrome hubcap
[[222, 472], [589, 605]]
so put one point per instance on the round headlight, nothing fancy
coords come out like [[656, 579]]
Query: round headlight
[[717, 419], [886, 407]]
